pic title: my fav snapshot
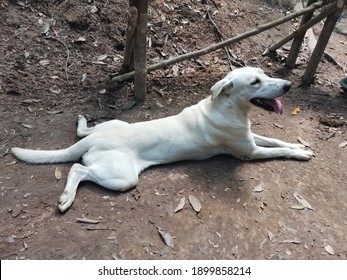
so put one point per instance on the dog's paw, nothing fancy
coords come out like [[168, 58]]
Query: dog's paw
[[65, 201], [302, 154]]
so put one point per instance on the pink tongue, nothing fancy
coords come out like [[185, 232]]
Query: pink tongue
[[276, 104]]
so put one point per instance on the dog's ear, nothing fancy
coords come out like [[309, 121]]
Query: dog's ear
[[221, 87]]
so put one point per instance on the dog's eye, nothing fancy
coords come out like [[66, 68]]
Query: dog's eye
[[255, 82]]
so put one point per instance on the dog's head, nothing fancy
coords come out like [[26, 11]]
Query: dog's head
[[248, 85]]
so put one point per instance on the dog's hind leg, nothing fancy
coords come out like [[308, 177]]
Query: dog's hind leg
[[117, 176], [271, 142], [77, 174], [82, 128]]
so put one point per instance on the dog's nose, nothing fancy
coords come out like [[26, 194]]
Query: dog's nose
[[287, 86]]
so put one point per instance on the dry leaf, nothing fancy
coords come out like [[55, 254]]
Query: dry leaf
[[101, 57], [195, 203], [11, 163], [87, 221], [81, 39], [258, 188], [115, 256], [279, 126], [57, 173], [84, 77], [44, 62], [93, 9], [166, 237], [297, 207], [296, 111], [30, 101], [175, 70], [54, 112], [11, 239], [99, 62], [329, 249], [26, 195], [303, 201], [270, 235], [302, 141], [294, 241], [27, 125], [180, 204], [159, 105], [45, 28], [128, 105], [17, 210], [343, 144]]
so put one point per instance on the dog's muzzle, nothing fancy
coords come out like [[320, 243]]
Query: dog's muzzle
[[269, 104], [287, 86]]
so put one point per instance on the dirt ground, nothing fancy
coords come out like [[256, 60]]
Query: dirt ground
[[57, 58]]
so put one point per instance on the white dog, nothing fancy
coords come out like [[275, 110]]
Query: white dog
[[115, 152]]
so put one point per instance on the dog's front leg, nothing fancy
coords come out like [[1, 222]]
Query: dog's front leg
[[279, 152], [271, 142]]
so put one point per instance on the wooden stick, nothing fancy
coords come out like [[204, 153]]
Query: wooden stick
[[220, 35], [259, 29], [67, 56]]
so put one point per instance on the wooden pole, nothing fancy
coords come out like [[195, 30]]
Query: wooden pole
[[295, 48], [140, 50], [128, 61], [322, 42]]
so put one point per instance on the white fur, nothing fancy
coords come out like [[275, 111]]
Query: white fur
[[115, 152]]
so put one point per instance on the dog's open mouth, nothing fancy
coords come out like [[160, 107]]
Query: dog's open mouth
[[272, 105]]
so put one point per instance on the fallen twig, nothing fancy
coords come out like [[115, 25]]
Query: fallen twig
[[97, 228], [221, 36], [67, 55]]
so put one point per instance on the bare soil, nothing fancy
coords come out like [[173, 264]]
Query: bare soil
[[54, 67]]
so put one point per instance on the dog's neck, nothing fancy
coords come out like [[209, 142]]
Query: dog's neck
[[227, 112]]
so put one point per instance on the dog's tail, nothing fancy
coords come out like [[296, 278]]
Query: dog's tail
[[73, 153]]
